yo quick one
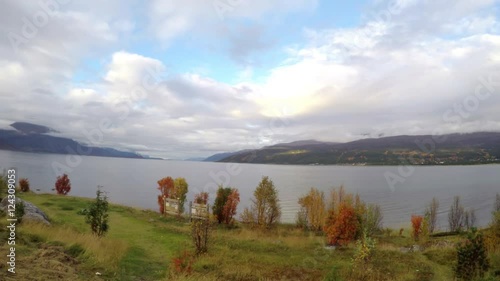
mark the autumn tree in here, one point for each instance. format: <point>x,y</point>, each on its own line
<point>372,219</point>
<point>220,200</point>
<point>24,185</point>
<point>313,208</point>
<point>431,214</point>
<point>348,217</point>
<point>229,210</point>
<point>342,227</point>
<point>201,198</point>
<point>63,184</point>
<point>265,210</point>
<point>166,188</point>
<point>469,219</point>
<point>456,215</point>
<point>180,192</point>
<point>416,226</point>
<point>225,204</point>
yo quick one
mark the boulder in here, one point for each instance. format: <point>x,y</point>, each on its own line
<point>35,217</point>
<point>31,212</point>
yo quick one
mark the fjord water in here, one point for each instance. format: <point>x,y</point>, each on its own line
<point>132,182</point>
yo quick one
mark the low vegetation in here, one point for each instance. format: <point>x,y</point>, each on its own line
<point>349,243</point>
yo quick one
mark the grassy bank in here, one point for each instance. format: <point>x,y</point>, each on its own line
<point>141,244</point>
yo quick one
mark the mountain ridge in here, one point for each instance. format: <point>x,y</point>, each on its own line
<point>28,137</point>
<point>450,149</point>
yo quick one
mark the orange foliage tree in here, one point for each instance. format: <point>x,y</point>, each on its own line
<point>346,217</point>
<point>342,227</point>
<point>63,184</point>
<point>166,188</point>
<point>416,225</point>
<point>231,205</point>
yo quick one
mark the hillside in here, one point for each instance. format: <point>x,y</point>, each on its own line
<point>452,149</point>
<point>141,244</point>
<point>29,137</point>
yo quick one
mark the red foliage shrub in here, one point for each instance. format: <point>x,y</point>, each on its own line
<point>341,228</point>
<point>63,184</point>
<point>416,225</point>
<point>24,185</point>
<point>166,188</point>
<point>231,205</point>
<point>201,198</point>
<point>182,264</point>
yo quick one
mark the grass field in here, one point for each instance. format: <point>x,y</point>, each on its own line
<point>141,244</point>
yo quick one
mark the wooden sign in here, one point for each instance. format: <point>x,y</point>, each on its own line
<point>198,211</point>
<point>171,206</point>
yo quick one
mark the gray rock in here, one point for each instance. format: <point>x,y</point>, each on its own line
<point>31,212</point>
<point>36,218</point>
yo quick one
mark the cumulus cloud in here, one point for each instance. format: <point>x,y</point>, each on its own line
<point>403,70</point>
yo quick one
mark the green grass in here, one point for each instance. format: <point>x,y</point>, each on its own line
<point>141,244</point>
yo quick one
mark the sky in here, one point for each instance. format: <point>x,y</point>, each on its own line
<point>182,79</point>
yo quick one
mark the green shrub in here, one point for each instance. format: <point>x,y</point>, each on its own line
<point>364,249</point>
<point>472,258</point>
<point>97,214</point>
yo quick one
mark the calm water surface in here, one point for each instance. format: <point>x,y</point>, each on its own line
<point>133,182</point>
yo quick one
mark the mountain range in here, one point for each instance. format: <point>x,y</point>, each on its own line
<point>28,137</point>
<point>451,149</point>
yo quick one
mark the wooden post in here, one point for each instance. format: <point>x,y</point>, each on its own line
<point>190,211</point>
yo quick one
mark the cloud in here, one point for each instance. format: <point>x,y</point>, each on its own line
<point>400,71</point>
<point>217,21</point>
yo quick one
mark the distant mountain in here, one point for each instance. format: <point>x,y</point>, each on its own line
<point>197,159</point>
<point>452,149</point>
<point>219,156</point>
<point>32,138</point>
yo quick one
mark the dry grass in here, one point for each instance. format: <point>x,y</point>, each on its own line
<point>100,250</point>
